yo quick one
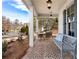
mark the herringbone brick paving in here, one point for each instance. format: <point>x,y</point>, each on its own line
<point>43,50</point>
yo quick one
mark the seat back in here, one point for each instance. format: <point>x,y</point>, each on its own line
<point>59,37</point>
<point>69,44</point>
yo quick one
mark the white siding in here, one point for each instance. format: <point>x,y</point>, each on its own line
<point>60,16</point>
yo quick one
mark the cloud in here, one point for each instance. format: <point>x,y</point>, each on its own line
<point>19,5</point>
<point>18,1</point>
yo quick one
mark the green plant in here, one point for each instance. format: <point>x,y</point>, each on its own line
<point>34,24</point>
<point>24,29</point>
<point>4,47</point>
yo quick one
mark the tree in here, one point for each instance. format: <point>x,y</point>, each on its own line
<point>24,29</point>
<point>55,24</point>
<point>16,22</point>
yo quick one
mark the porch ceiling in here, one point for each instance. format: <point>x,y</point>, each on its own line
<point>41,6</point>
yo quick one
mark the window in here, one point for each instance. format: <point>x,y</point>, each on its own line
<point>68,16</point>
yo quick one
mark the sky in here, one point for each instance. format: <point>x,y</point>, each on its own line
<point>15,9</point>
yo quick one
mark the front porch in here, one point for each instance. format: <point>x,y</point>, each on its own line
<point>65,11</point>
<point>45,49</point>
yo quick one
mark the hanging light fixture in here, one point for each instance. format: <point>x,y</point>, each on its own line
<point>49,2</point>
<point>51,13</point>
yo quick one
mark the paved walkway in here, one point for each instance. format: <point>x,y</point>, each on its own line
<point>43,50</point>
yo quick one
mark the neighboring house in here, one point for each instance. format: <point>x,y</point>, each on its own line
<point>5,24</point>
<point>16,27</point>
<point>8,26</point>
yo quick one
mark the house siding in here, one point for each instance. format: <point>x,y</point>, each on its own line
<point>60,16</point>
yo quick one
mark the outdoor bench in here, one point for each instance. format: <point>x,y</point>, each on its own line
<point>66,44</point>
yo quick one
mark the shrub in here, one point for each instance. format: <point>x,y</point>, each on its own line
<point>24,29</point>
<point>4,47</point>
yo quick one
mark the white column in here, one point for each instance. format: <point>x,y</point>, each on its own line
<point>36,28</point>
<point>31,28</point>
<point>60,22</point>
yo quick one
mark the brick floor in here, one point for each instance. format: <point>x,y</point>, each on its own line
<point>43,50</point>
